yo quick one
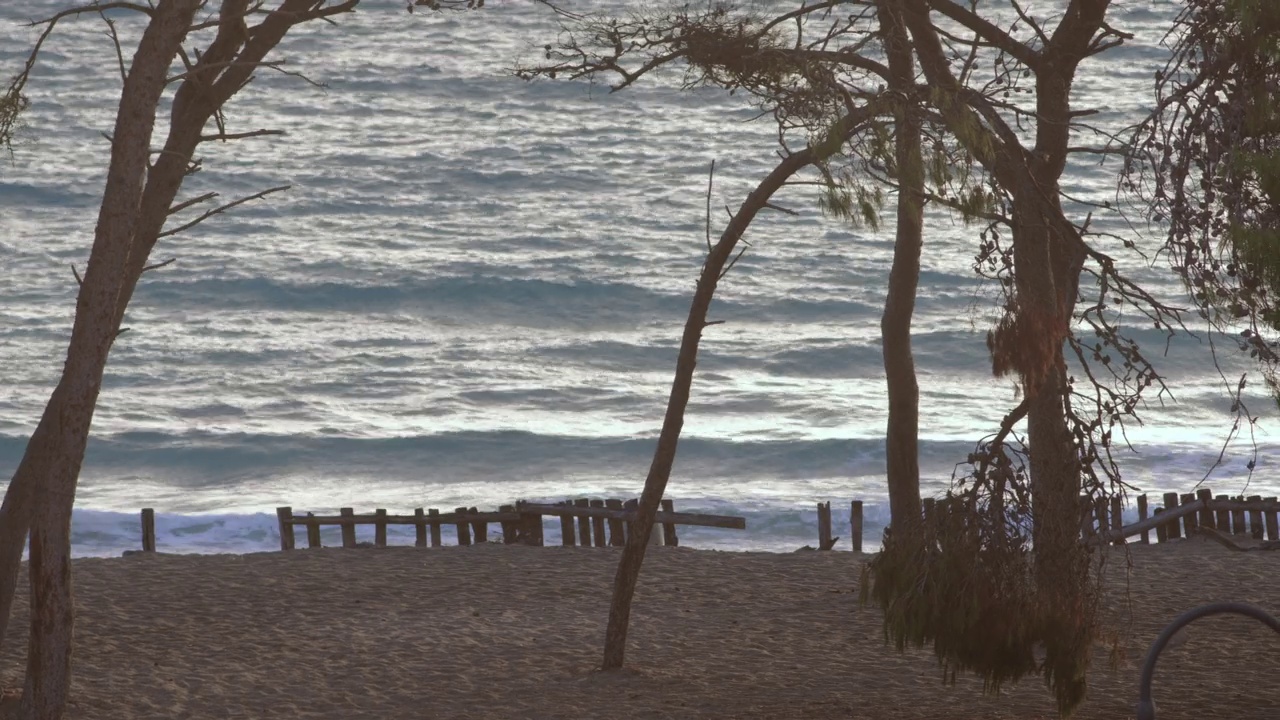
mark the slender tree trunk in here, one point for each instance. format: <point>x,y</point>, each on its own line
<point>70,411</point>
<point>624,584</point>
<point>902,463</point>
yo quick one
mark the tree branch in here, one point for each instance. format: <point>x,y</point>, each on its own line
<point>221,209</point>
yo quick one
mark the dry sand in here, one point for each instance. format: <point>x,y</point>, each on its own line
<point>515,632</point>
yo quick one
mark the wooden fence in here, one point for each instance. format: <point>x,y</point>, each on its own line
<point>582,522</point>
<point>825,540</point>
<point>1181,516</point>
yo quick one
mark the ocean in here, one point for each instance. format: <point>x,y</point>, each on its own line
<point>474,290</point>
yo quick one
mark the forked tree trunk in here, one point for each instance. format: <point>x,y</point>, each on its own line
<point>70,411</point>
<point>902,462</point>
<point>136,204</point>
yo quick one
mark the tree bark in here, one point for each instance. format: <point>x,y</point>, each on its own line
<point>69,413</point>
<point>902,464</point>
<point>664,455</point>
<point>135,207</point>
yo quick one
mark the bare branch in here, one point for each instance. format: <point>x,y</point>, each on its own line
<point>221,209</point>
<point>159,265</point>
<point>710,178</point>
<point>240,136</point>
<point>193,201</point>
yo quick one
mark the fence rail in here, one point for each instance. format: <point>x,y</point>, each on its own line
<point>1182,515</point>
<point>583,521</point>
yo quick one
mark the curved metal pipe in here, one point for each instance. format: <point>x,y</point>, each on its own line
<point>1147,706</point>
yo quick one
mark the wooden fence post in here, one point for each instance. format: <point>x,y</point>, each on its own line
<point>824,526</point>
<point>1223,515</point>
<point>419,528</point>
<point>1172,531</point>
<point>617,536</point>
<point>285,516</point>
<point>567,538</point>
<point>436,540</point>
<point>1142,515</point>
<point>1189,523</point>
<point>148,530</point>
<point>632,506</point>
<point>510,531</point>
<point>1100,513</point>
<point>669,529</point>
<point>1238,526</point>
<point>313,531</point>
<point>464,527</point>
<point>1086,517</point>
<point>1255,518</point>
<point>1162,531</point>
<point>1205,495</point>
<point>1117,519</point>
<point>584,524</point>
<point>380,528</point>
<point>855,525</point>
<point>1273,522</point>
<point>479,528</point>
<point>348,527</point>
<point>597,525</point>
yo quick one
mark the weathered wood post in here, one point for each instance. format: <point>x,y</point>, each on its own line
<point>510,529</point>
<point>1142,515</point>
<point>148,530</point>
<point>824,526</point>
<point>584,523</point>
<point>1273,520</point>
<point>348,527</point>
<point>1223,514</point>
<point>433,518</point>
<point>285,516</point>
<point>855,525</point>
<point>1255,516</point>
<point>1162,531</point>
<point>479,528</point>
<point>1100,513</point>
<point>464,527</point>
<point>1238,525</point>
<point>1172,531</point>
<point>419,528</point>
<point>632,506</point>
<point>669,529</point>
<point>380,528</point>
<point>1207,519</point>
<point>566,526</point>
<point>1189,524</point>
<point>1117,519</point>
<point>597,525</point>
<point>617,533</point>
<point>1086,517</point>
<point>313,531</point>
<point>530,526</point>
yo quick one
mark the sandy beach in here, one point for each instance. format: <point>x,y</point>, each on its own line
<point>494,631</point>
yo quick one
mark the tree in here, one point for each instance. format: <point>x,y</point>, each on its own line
<point>1207,162</point>
<point>139,200</point>
<point>1012,519</point>
<point>813,93</point>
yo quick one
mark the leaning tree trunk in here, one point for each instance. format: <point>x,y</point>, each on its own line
<point>70,410</point>
<point>42,492</point>
<point>624,584</point>
<point>902,462</point>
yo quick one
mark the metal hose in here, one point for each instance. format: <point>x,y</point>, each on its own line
<point>1147,706</point>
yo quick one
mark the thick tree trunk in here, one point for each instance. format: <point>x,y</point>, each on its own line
<point>70,411</point>
<point>902,463</point>
<point>54,451</point>
<point>624,584</point>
